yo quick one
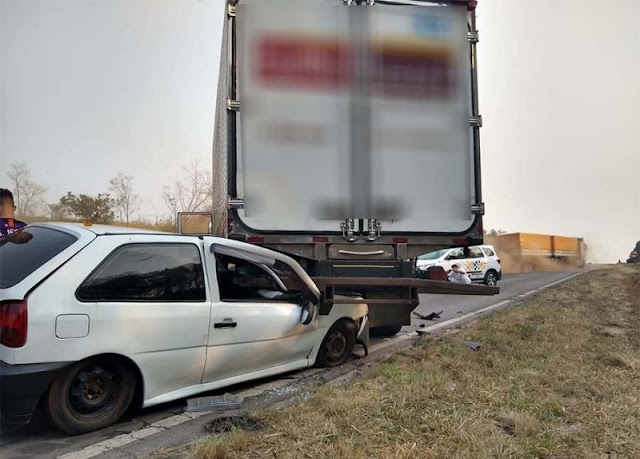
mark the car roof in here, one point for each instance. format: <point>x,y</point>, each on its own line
<point>100,229</point>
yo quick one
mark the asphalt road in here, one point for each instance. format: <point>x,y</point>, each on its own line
<point>40,441</point>
<point>511,286</point>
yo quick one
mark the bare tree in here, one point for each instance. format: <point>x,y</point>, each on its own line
<point>192,193</point>
<point>126,201</point>
<point>28,195</point>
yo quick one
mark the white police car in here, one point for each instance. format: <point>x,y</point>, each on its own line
<point>480,262</point>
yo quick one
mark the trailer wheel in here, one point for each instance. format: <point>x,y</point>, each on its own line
<point>337,345</point>
<point>384,331</point>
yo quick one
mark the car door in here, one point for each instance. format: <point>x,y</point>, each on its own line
<point>455,256</point>
<point>255,329</point>
<point>475,264</point>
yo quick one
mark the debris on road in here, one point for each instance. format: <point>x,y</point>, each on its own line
<point>214,403</point>
<point>227,423</point>
<point>432,316</point>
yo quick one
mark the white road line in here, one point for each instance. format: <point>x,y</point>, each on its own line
<point>172,421</point>
<point>124,439</point>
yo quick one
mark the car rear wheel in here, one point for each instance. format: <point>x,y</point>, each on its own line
<point>90,395</point>
<point>337,345</point>
<point>491,278</point>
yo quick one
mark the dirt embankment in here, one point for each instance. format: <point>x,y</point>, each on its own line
<point>514,263</point>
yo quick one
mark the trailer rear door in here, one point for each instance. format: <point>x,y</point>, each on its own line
<point>354,112</point>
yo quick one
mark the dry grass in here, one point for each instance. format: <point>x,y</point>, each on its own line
<point>558,376</point>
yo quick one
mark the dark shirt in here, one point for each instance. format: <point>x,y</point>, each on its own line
<point>10,225</point>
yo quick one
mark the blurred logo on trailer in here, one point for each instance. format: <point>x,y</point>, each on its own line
<point>432,26</point>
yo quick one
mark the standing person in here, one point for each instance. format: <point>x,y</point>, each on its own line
<point>458,275</point>
<point>8,222</point>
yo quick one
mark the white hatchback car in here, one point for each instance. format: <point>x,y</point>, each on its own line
<point>480,262</point>
<point>93,318</point>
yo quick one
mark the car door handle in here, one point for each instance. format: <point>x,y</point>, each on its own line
<point>227,323</point>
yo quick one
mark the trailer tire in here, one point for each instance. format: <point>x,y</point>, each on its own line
<point>385,331</point>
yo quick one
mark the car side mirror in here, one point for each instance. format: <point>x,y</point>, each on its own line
<point>308,313</point>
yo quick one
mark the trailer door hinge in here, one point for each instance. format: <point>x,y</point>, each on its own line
<point>236,203</point>
<point>477,209</point>
<point>233,105</point>
<point>475,121</point>
<point>473,37</point>
<point>231,10</point>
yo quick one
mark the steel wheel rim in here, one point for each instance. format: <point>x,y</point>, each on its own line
<point>93,391</point>
<point>491,279</point>
<point>336,346</point>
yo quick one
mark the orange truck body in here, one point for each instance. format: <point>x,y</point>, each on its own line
<point>542,245</point>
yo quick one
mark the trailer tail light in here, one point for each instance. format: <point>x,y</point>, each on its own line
<point>229,225</point>
<point>13,323</point>
<point>400,240</point>
<point>320,239</point>
<point>255,239</point>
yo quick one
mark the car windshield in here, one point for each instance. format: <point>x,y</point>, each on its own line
<point>433,255</point>
<point>23,252</point>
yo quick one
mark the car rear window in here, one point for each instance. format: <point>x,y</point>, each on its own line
<point>23,252</point>
<point>488,251</point>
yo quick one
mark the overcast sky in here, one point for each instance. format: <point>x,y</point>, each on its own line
<point>92,88</point>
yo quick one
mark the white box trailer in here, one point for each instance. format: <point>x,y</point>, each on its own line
<point>347,135</point>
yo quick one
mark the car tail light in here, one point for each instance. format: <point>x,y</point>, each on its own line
<point>229,225</point>
<point>13,323</point>
<point>255,239</point>
<point>499,262</point>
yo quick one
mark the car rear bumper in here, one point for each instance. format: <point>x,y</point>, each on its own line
<point>22,386</point>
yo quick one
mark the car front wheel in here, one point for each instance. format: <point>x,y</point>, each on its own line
<point>491,278</point>
<point>90,395</point>
<point>337,345</point>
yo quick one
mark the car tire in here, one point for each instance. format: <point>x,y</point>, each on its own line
<point>90,395</point>
<point>491,278</point>
<point>337,345</point>
<point>385,331</point>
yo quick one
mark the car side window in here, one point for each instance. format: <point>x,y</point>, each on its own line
<point>489,252</point>
<point>147,273</point>
<point>456,254</point>
<point>475,252</point>
<point>242,280</point>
